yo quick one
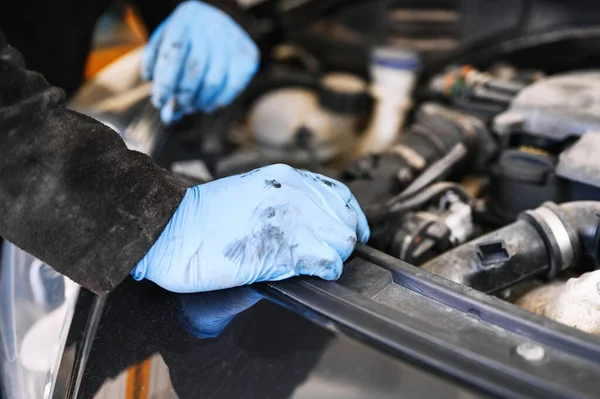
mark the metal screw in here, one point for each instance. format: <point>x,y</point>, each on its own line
<point>531,352</point>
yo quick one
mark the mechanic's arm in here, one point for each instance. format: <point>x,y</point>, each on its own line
<point>199,58</point>
<point>72,195</point>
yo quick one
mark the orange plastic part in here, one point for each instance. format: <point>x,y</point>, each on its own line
<point>100,58</point>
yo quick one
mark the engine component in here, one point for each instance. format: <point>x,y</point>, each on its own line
<point>421,191</point>
<point>394,73</point>
<point>580,165</point>
<point>470,88</point>
<point>555,108</point>
<point>535,295</point>
<point>435,172</point>
<point>417,201</point>
<point>421,236</point>
<point>541,243</point>
<point>523,179</point>
<point>575,303</point>
<point>436,132</point>
<point>325,123</point>
<point>496,260</point>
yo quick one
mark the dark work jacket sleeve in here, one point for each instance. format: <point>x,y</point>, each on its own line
<point>71,193</point>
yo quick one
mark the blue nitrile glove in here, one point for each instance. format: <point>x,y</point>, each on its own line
<point>199,59</point>
<point>269,224</point>
<point>206,315</point>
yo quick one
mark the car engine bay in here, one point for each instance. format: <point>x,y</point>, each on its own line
<point>469,189</point>
<point>468,131</point>
<point>475,162</point>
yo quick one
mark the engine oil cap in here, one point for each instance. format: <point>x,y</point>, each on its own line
<point>344,93</point>
<point>526,165</point>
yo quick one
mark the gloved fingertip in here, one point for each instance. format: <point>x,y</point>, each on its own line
<point>349,248</point>
<point>139,271</point>
<point>255,67</point>
<point>158,100</point>
<point>331,271</point>
<point>214,86</point>
<point>224,99</point>
<point>209,108</point>
<point>363,231</point>
<point>365,235</point>
<point>209,102</point>
<point>168,115</point>
<point>230,92</point>
<point>336,273</point>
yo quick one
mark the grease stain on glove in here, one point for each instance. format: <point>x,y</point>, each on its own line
<point>266,225</point>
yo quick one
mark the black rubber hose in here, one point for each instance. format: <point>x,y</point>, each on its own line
<point>374,179</point>
<point>542,243</point>
<point>496,260</point>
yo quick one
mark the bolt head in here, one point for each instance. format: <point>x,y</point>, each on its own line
<point>531,352</point>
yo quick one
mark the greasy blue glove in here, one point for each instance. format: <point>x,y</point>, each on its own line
<point>268,224</point>
<point>199,59</point>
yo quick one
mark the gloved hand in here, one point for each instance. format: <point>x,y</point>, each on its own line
<point>199,59</point>
<point>269,224</point>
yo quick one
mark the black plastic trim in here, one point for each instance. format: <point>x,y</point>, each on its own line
<point>491,369</point>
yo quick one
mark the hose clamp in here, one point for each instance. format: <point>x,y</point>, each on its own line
<point>560,238</point>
